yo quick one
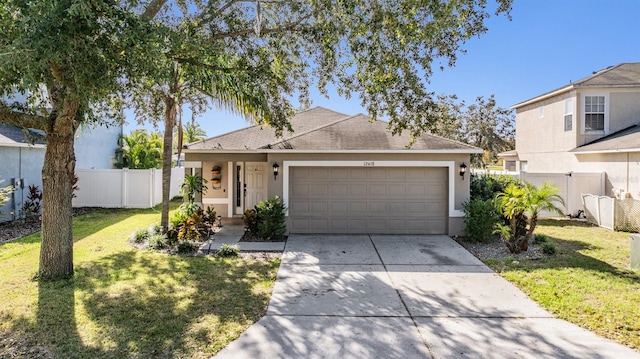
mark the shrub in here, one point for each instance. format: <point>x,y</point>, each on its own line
<point>271,219</point>
<point>228,250</point>
<point>250,218</point>
<point>480,218</point>
<point>186,246</point>
<point>140,235</point>
<point>178,218</point>
<point>540,239</point>
<point>486,187</point>
<point>4,194</point>
<point>155,229</point>
<point>157,241</point>
<point>548,248</point>
<point>32,205</point>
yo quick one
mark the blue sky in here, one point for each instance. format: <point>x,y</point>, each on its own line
<point>547,44</point>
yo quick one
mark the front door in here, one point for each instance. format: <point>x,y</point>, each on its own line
<point>255,182</point>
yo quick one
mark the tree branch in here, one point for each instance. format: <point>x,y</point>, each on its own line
<point>153,8</point>
<point>8,115</point>
<point>290,27</point>
<point>212,67</point>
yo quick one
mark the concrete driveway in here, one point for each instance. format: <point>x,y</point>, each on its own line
<point>386,296</point>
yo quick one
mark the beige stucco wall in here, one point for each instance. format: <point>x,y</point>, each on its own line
<point>275,186</point>
<point>544,145</point>
<point>535,134</point>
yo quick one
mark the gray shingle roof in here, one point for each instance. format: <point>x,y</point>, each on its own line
<point>257,137</point>
<point>621,75</point>
<point>13,135</point>
<point>319,129</point>
<point>624,140</point>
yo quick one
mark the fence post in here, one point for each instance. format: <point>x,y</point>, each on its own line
<point>124,188</point>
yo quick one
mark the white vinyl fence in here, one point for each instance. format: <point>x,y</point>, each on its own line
<point>613,213</point>
<point>571,185</point>
<point>123,188</point>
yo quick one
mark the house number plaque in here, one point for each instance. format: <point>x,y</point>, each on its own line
<point>369,163</point>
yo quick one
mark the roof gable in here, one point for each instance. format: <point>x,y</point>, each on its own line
<point>621,75</point>
<point>256,136</point>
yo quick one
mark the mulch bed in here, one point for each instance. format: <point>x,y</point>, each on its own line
<point>23,227</point>
<point>494,248</point>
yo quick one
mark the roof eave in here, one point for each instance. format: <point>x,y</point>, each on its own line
<point>617,150</point>
<point>444,151</point>
<point>22,145</point>
<point>544,96</point>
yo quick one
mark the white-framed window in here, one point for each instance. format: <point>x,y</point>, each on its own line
<point>568,115</point>
<point>594,113</point>
<point>541,112</point>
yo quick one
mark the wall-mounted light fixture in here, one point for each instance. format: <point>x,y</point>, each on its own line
<point>463,170</point>
<point>276,168</point>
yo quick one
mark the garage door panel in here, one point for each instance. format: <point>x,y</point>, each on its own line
<point>339,189</point>
<point>377,190</point>
<point>359,207</point>
<point>340,173</point>
<point>397,190</point>
<point>299,190</point>
<point>396,207</point>
<point>357,225</point>
<point>358,173</point>
<point>319,206</point>
<point>368,200</point>
<point>318,173</point>
<point>416,190</point>
<point>319,225</point>
<point>300,173</point>
<point>377,208</point>
<point>357,191</point>
<point>416,207</point>
<point>299,207</point>
<point>319,189</point>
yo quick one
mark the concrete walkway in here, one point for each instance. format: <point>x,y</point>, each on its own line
<point>377,296</point>
<point>231,234</point>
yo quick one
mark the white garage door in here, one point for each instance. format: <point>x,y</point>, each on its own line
<point>368,200</point>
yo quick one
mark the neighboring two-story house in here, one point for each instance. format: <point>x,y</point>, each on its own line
<point>590,125</point>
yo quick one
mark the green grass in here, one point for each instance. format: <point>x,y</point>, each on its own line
<point>587,282</point>
<point>123,302</point>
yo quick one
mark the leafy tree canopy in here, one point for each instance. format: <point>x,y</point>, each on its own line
<point>482,124</point>
<point>75,60</point>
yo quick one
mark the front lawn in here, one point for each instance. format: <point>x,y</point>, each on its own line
<point>123,302</point>
<point>587,282</point>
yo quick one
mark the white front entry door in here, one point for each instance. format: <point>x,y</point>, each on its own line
<point>255,175</point>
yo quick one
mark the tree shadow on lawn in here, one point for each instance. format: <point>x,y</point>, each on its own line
<point>569,255</point>
<point>146,305</point>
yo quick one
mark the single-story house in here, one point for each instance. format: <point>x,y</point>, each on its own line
<point>338,173</point>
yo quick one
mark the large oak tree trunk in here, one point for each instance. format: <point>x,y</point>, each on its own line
<point>169,122</point>
<point>56,251</point>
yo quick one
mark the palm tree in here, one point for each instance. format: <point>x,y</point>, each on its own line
<point>140,150</point>
<point>521,205</point>
<point>192,132</point>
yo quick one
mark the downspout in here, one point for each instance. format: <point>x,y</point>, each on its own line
<point>627,189</point>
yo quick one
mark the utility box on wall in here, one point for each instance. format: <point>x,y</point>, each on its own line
<point>635,251</point>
